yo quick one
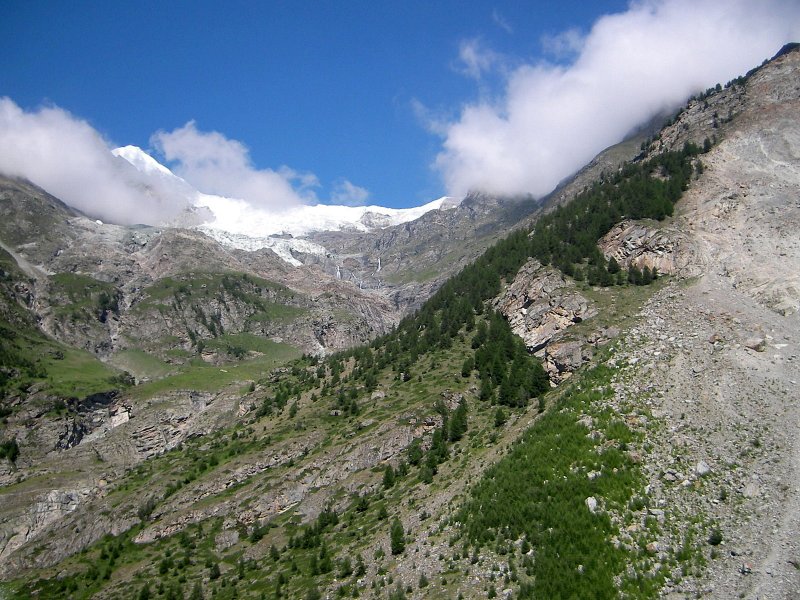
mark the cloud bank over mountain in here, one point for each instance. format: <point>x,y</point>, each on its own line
<point>67,157</point>
<point>70,159</point>
<point>552,118</point>
<point>217,165</point>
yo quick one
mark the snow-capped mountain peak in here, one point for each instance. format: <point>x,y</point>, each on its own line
<point>238,223</point>
<point>141,160</point>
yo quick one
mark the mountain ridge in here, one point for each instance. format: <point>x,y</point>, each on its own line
<point>674,412</point>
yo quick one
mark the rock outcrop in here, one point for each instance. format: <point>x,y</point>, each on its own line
<point>541,303</point>
<point>652,245</point>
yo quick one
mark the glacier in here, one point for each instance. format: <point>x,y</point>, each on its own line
<point>238,224</point>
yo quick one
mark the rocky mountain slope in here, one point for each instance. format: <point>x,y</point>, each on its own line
<point>714,358</point>
<point>430,463</point>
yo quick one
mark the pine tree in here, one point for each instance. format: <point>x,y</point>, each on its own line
<point>325,562</point>
<point>487,390</point>
<point>458,422</point>
<point>426,474</point>
<point>313,565</point>
<point>197,592</point>
<point>466,368</point>
<point>415,452</point>
<point>388,477</point>
<point>397,537</point>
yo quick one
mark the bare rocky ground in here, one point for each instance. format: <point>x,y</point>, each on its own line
<point>719,372</point>
<point>717,360</point>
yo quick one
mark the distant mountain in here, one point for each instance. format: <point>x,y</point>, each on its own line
<point>404,253</point>
<point>236,223</point>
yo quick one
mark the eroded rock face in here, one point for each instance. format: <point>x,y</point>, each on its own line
<point>541,303</point>
<point>645,244</point>
<point>561,359</point>
<point>49,508</point>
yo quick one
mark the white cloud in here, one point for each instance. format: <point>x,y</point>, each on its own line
<point>565,44</point>
<point>217,165</point>
<point>67,157</point>
<point>475,59</point>
<point>71,160</point>
<point>501,22</point>
<point>552,119</point>
<point>347,194</point>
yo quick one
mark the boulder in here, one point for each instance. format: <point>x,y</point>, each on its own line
<point>757,343</point>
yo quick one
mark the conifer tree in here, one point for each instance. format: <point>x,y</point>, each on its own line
<point>397,537</point>
<point>458,422</point>
<point>415,452</point>
<point>388,477</point>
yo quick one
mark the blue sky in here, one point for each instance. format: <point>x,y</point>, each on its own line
<point>390,97</point>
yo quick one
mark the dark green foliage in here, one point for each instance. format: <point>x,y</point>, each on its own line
<point>649,189</point>
<point>197,592</point>
<point>426,474</point>
<point>325,562</point>
<point>311,536</point>
<point>503,362</point>
<point>259,531</point>
<point>715,538</point>
<point>397,538</point>
<point>466,368</point>
<point>535,493</point>
<point>415,452</point>
<point>457,426</point>
<point>398,593</point>
<point>438,452</point>
<point>146,509</point>
<point>388,477</point>
<point>10,450</point>
<point>345,567</point>
<point>361,568</point>
<point>313,594</point>
<point>634,275</point>
<point>362,504</point>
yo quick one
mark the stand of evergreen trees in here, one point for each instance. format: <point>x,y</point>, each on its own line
<point>565,238</point>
